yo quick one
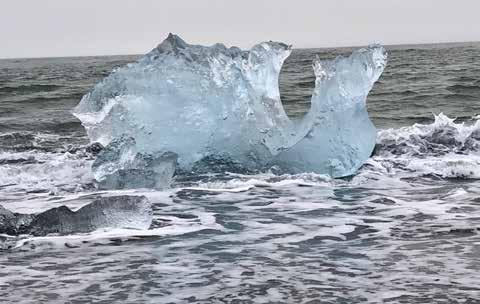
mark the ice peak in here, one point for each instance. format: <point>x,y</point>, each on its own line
<point>171,44</point>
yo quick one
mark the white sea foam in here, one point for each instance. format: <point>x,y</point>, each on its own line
<point>45,171</point>
<point>443,148</point>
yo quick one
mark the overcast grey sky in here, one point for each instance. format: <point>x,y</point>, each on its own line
<point>39,28</point>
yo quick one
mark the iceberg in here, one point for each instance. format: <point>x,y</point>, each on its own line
<point>223,104</point>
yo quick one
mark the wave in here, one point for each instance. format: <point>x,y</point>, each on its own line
<point>27,141</point>
<point>464,89</point>
<point>443,148</point>
<point>438,138</point>
<point>27,89</point>
<point>47,172</point>
<point>463,79</point>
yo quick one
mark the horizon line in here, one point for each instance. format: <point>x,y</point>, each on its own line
<point>300,48</point>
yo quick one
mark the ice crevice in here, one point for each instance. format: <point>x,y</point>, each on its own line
<point>202,103</point>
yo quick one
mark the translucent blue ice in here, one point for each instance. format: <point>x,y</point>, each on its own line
<point>219,103</point>
<point>341,135</point>
<point>120,166</point>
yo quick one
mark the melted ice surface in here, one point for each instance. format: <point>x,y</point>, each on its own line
<point>203,102</point>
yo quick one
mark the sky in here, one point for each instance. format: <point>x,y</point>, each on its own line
<point>50,28</point>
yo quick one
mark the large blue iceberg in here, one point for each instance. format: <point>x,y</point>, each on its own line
<point>212,105</point>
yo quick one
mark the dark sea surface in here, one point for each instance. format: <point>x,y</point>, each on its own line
<point>405,229</point>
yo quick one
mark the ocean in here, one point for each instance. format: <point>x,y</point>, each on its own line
<point>404,229</point>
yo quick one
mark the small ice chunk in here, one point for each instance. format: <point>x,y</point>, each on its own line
<point>124,211</point>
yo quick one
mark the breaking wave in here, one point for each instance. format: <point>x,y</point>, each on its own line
<point>443,148</point>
